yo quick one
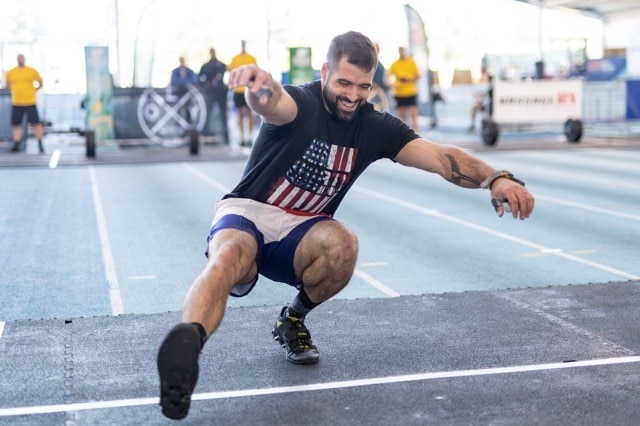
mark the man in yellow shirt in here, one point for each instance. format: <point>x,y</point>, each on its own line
<point>244,113</point>
<point>21,82</point>
<point>404,73</point>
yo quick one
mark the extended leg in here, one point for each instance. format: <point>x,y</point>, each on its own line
<point>232,256</point>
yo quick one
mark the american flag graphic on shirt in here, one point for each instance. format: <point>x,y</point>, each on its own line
<point>315,179</point>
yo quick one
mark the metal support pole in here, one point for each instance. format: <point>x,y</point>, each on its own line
<point>90,140</point>
<point>194,142</point>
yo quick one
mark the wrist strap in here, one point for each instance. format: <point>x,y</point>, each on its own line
<point>501,174</point>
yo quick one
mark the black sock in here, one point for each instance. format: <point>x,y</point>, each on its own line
<point>201,332</point>
<point>301,305</point>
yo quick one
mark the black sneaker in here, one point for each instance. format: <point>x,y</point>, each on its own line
<point>178,369</point>
<point>295,338</point>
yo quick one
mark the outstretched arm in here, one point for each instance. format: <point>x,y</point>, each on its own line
<point>264,95</point>
<point>468,171</point>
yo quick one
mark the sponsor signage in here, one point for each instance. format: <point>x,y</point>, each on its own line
<point>633,100</point>
<point>537,101</point>
<point>301,70</point>
<point>98,101</point>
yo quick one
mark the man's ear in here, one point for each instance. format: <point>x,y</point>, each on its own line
<point>324,71</point>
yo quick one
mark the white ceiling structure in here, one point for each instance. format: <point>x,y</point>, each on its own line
<point>620,19</point>
<point>607,10</point>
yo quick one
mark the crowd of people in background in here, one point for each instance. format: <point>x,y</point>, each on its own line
<point>211,76</point>
<point>395,89</point>
<point>398,83</point>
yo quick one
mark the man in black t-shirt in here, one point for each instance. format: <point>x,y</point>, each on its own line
<point>212,72</point>
<point>316,139</point>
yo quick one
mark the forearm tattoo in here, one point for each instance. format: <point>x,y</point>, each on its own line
<point>456,176</point>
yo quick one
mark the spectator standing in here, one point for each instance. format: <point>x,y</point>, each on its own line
<point>212,79</point>
<point>245,115</point>
<point>212,72</point>
<point>380,76</point>
<point>483,102</point>
<point>405,74</point>
<point>183,75</point>
<point>380,92</point>
<point>23,82</point>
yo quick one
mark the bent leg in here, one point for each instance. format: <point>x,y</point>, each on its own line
<point>325,259</point>
<point>324,262</point>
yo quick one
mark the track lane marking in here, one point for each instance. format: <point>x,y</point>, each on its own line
<point>115,297</point>
<point>120,403</point>
<point>586,207</point>
<point>583,161</point>
<point>517,240</point>
<point>375,283</point>
<point>217,185</point>
<point>55,158</point>
<point>577,176</point>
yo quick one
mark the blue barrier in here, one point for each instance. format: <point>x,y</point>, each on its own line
<point>633,100</point>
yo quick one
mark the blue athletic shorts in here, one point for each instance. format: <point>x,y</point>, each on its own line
<point>276,231</point>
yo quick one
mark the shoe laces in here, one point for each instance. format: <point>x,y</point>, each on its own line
<point>302,339</point>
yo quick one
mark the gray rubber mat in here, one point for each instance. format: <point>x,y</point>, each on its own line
<point>554,355</point>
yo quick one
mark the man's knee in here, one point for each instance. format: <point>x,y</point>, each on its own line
<point>343,250</point>
<point>233,253</point>
<point>330,248</point>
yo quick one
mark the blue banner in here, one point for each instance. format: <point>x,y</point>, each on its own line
<point>633,100</point>
<point>605,69</point>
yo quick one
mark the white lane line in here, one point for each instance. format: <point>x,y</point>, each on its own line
<point>142,277</point>
<point>495,233</point>
<point>115,297</point>
<point>375,283</point>
<point>586,207</point>
<point>597,164</point>
<point>55,158</point>
<point>576,176</point>
<point>94,405</point>
<point>220,187</point>
<point>1,327</point>
<point>368,278</point>
<point>375,263</point>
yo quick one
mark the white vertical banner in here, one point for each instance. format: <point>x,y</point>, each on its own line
<point>419,50</point>
<point>633,56</point>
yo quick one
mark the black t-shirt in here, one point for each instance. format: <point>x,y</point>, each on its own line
<point>213,72</point>
<point>309,164</point>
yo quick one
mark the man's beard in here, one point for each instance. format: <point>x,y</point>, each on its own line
<point>332,102</point>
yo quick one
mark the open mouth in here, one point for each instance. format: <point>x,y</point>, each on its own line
<point>350,106</point>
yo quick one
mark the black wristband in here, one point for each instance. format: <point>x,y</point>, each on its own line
<point>503,173</point>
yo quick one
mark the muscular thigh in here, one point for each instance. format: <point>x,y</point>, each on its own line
<point>328,237</point>
<point>235,249</point>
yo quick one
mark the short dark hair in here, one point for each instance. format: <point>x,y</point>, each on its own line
<point>358,48</point>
